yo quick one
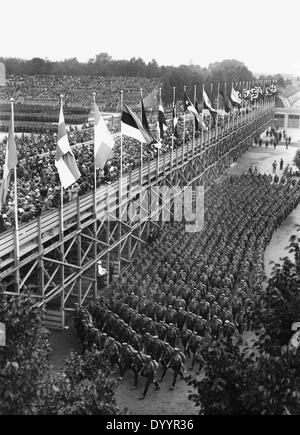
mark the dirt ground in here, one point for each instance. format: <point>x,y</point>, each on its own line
<point>176,402</point>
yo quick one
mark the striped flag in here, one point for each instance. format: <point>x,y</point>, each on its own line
<point>162,125</point>
<point>235,97</point>
<point>188,106</point>
<point>208,105</point>
<point>103,140</point>
<point>131,126</point>
<point>11,162</point>
<point>64,159</point>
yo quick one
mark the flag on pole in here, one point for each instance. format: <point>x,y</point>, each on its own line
<point>196,121</point>
<point>144,118</point>
<point>208,105</point>
<point>174,121</point>
<point>235,97</point>
<point>228,107</point>
<point>64,159</point>
<point>162,125</point>
<point>11,162</point>
<point>151,100</point>
<point>103,140</point>
<point>147,128</point>
<point>131,126</point>
<point>188,106</point>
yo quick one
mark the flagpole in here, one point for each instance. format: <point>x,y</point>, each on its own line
<point>158,136</point>
<point>141,173</point>
<point>230,114</point>
<point>95,211</point>
<point>17,243</point>
<point>213,133</point>
<point>233,114</point>
<point>61,190</point>
<point>242,92</point>
<point>217,119</point>
<point>202,132</point>
<point>95,169</point>
<point>61,237</point>
<point>121,149</point>
<point>173,127</point>
<point>184,121</point>
<point>194,127</point>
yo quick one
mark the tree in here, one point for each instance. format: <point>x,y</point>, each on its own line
<point>102,58</point>
<point>24,360</point>
<point>297,159</point>
<point>26,385</point>
<point>84,388</point>
<point>230,70</point>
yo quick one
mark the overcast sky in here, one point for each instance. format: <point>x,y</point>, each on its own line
<point>263,34</point>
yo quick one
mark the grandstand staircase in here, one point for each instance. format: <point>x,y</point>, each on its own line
<point>53,319</point>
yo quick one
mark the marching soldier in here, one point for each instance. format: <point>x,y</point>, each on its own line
<point>180,318</point>
<point>170,315</point>
<point>171,335</point>
<point>149,371</point>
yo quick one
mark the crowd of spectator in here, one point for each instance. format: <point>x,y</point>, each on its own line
<point>37,178</point>
<point>77,90</point>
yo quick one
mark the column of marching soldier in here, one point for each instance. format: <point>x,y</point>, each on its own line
<point>187,288</point>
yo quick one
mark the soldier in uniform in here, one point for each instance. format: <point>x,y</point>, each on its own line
<point>201,326</point>
<point>185,337</point>
<point>138,361</point>
<point>157,348</point>
<point>176,363</point>
<point>147,343</point>
<point>170,315</point>
<point>191,319</point>
<point>181,318</point>
<point>149,371</point>
<point>216,326</point>
<point>160,313</point>
<point>161,330</point>
<point>171,335</point>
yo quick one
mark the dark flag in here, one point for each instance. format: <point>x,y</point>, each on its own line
<point>196,121</point>
<point>228,107</point>
<point>144,117</point>
<point>131,126</point>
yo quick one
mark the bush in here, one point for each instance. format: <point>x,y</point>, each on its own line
<point>83,388</point>
<point>297,159</point>
<point>26,385</point>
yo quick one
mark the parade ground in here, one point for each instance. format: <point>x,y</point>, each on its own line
<point>176,402</point>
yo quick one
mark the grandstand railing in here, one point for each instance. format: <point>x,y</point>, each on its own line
<point>33,236</point>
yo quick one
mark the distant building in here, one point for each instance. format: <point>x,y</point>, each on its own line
<point>2,74</point>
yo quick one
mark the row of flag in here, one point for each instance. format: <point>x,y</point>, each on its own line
<point>237,95</point>
<point>131,126</point>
